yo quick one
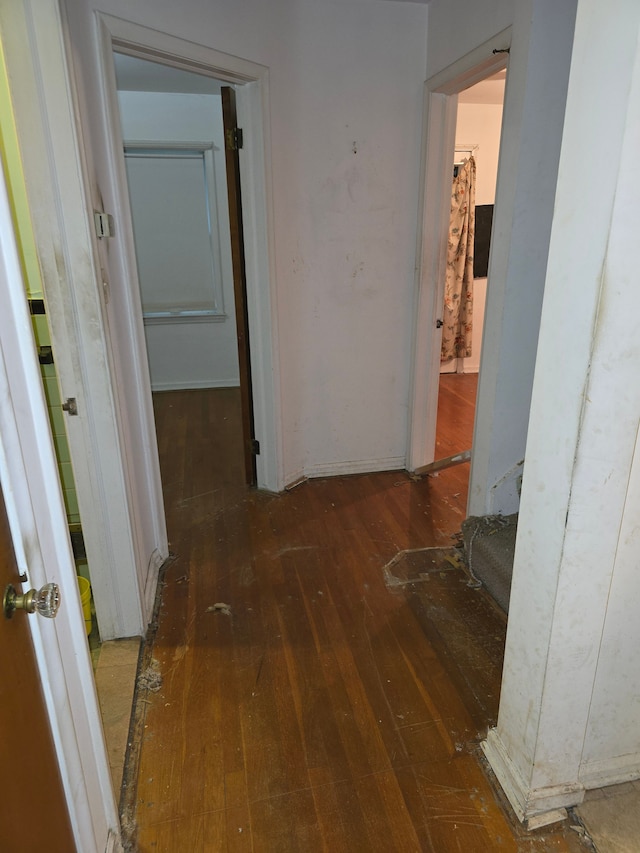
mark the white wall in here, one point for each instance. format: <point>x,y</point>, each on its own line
<point>456,27</point>
<point>345,94</point>
<point>183,354</point>
<point>480,124</point>
<point>571,684</point>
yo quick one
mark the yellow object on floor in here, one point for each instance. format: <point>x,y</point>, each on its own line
<point>85,598</point>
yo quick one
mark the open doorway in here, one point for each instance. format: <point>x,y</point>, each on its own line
<point>180,155</point>
<point>135,547</point>
<point>442,94</point>
<point>477,138</point>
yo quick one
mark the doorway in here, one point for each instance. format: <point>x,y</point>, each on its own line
<point>477,136</point>
<point>124,501</point>
<point>442,94</point>
<point>178,147</point>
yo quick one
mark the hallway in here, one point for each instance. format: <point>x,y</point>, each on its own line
<point>305,703</point>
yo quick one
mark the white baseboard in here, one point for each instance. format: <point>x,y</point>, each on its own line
<point>368,466</point>
<point>151,584</point>
<point>190,385</point>
<point>612,771</point>
<point>294,479</point>
<point>526,802</point>
<point>114,844</point>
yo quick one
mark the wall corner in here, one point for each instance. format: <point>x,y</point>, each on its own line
<point>545,804</point>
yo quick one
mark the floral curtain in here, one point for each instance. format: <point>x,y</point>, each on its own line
<point>458,291</point>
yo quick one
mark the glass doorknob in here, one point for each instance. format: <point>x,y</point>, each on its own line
<point>44,601</point>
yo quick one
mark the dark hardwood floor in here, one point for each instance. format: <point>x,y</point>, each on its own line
<point>456,411</point>
<point>311,700</point>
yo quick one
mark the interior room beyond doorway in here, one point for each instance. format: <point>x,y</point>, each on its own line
<point>174,152</point>
<point>478,130</point>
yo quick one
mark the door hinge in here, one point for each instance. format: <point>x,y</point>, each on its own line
<point>255,447</point>
<point>103,223</point>
<point>234,139</point>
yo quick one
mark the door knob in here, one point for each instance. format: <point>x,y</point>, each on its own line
<point>44,601</point>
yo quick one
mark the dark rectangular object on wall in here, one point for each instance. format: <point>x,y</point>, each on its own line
<point>482,242</point>
<point>36,306</point>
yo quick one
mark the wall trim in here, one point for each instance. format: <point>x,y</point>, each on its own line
<point>438,142</point>
<point>114,845</point>
<point>612,771</point>
<point>156,561</point>
<point>366,466</point>
<point>182,318</point>
<point>48,133</point>
<point>505,493</point>
<point>194,385</point>
<point>527,802</point>
<point>292,481</point>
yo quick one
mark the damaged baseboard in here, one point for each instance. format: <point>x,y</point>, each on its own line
<point>532,806</point>
<point>366,466</point>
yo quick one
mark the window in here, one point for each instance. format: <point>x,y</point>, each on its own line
<point>172,194</point>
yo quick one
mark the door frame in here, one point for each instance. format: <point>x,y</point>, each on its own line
<point>251,82</point>
<point>37,518</point>
<point>123,571</point>
<point>439,126</point>
<point>236,240</point>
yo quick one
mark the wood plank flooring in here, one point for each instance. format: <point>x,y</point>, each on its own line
<point>307,705</point>
<point>456,411</point>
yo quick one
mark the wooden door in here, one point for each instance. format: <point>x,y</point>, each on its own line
<point>34,811</point>
<point>233,143</point>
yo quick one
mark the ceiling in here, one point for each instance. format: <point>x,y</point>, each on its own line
<point>141,75</point>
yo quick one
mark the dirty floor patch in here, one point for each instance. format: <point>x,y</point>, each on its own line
<point>415,565</point>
